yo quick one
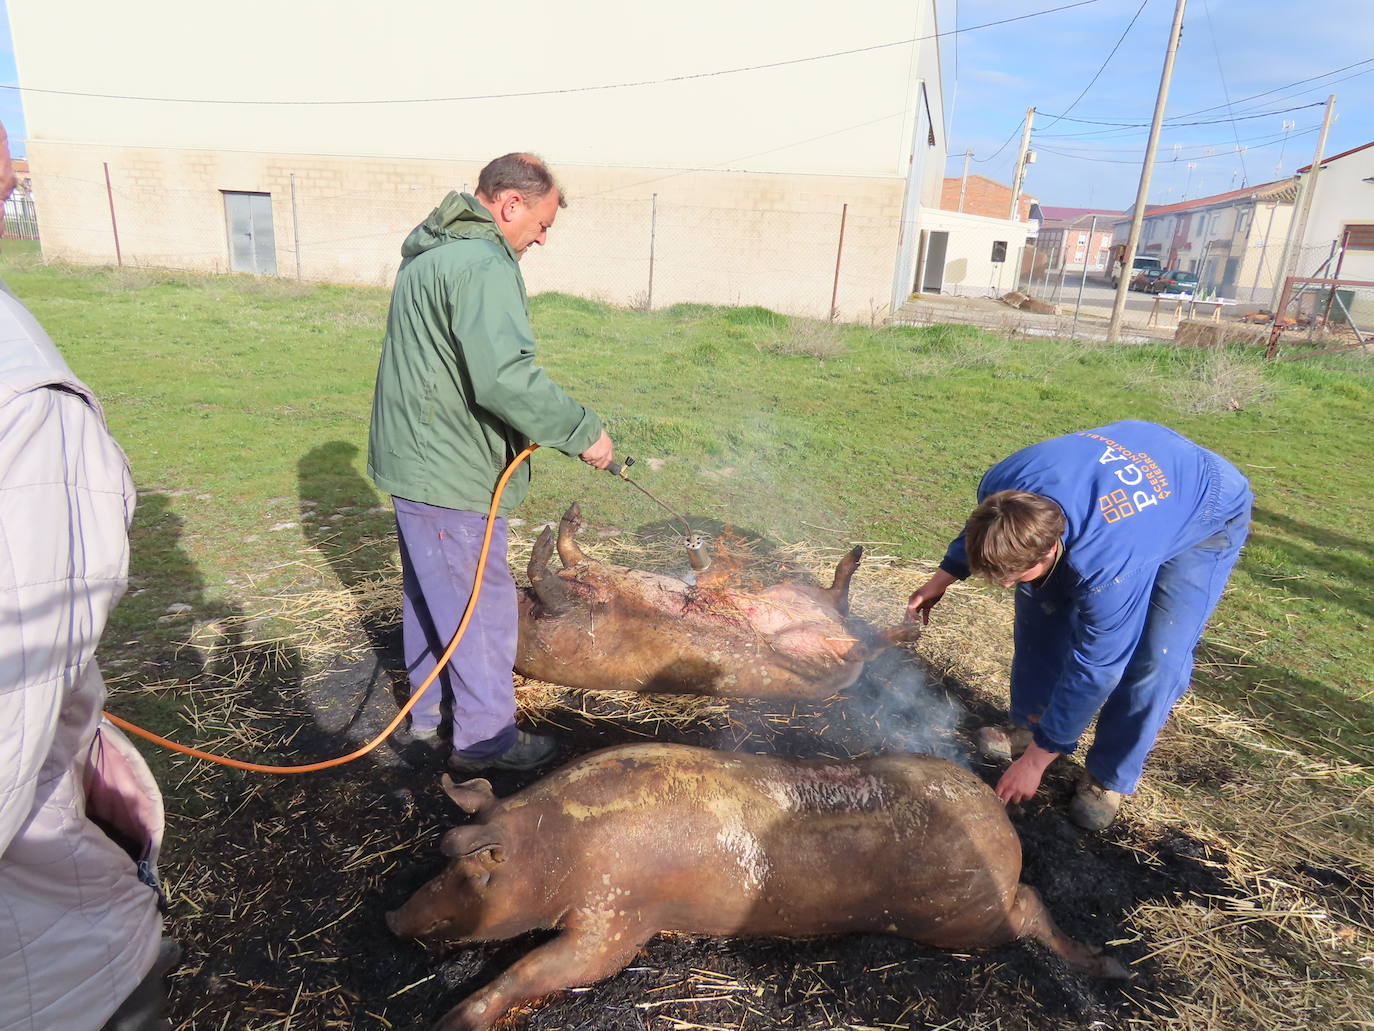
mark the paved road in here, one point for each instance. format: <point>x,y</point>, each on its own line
<point>1098,296</point>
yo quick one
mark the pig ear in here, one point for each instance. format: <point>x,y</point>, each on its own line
<point>471,796</point>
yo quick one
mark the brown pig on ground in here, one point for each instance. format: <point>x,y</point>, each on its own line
<point>598,626</point>
<point>632,840</point>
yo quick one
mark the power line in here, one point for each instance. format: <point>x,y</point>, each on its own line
<point>1255,96</point>
<point>1208,121</point>
<point>1278,89</point>
<point>1004,142</point>
<point>1103,67</point>
<point>1160,160</point>
<point>572,89</point>
<point>1269,139</point>
<point>1226,92</point>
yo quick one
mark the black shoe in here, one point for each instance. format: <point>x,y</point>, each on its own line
<point>529,751</point>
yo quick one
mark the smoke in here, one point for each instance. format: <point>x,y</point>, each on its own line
<point>899,706</point>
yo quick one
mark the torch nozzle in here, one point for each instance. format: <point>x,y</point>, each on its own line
<point>696,553</point>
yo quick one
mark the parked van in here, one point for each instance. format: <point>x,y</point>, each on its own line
<point>1140,264</point>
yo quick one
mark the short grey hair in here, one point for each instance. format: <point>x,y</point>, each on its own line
<point>521,172</point>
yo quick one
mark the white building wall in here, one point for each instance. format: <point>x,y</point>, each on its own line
<point>751,169</point>
<point>969,270</point>
<point>1342,198</point>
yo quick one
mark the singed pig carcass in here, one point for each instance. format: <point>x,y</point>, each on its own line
<point>632,840</point>
<point>598,626</point>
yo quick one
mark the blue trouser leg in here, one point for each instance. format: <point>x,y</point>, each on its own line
<point>1041,637</point>
<point>1186,591</point>
<point>439,551</point>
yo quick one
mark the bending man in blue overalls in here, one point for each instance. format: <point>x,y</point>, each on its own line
<point>1119,541</point>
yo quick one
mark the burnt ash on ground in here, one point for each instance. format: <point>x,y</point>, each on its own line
<point>280,887</point>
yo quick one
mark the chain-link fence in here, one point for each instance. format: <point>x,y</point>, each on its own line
<point>782,249</point>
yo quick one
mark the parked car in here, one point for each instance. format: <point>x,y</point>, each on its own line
<point>1140,263</point>
<point>1141,280</point>
<point>1173,281</point>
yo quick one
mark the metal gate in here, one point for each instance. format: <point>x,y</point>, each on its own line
<point>252,247</point>
<point>21,221</point>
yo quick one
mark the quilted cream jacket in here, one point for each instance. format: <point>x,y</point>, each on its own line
<point>80,815</point>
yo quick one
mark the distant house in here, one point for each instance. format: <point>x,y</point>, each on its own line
<point>1072,238</point>
<point>1342,212</point>
<point>983,196</point>
<point>1233,241</point>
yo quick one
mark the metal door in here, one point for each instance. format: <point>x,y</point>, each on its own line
<point>935,263</point>
<point>248,218</point>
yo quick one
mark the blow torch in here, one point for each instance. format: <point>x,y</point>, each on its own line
<point>696,543</point>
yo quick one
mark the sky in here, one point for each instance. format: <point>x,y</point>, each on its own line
<point>1230,50</point>
<point>11,109</point>
<point>1238,48</point>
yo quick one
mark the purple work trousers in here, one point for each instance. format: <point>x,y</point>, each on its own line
<point>439,551</point>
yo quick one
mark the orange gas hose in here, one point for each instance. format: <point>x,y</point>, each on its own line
<point>240,764</point>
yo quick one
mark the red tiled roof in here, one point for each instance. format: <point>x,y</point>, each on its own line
<point>1216,198</point>
<point>1337,157</point>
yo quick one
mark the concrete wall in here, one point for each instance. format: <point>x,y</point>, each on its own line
<point>718,237</point>
<point>751,169</point>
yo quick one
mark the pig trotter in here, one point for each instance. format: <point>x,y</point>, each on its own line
<point>1030,919</point>
<point>568,551</point>
<point>571,960</point>
<point>844,572</point>
<point>551,591</point>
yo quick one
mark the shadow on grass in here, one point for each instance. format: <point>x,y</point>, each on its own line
<point>344,520</point>
<point>1325,551</point>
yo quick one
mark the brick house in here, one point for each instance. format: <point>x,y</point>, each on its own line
<point>1073,237</point>
<point>983,196</point>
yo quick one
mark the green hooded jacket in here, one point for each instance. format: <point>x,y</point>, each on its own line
<point>458,391</point>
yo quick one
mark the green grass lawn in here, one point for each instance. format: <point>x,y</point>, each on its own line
<point>243,405</point>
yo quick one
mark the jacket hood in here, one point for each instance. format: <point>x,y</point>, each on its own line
<point>459,216</point>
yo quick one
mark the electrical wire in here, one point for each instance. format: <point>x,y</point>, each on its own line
<point>1180,125</point>
<point>1278,89</point>
<point>1132,128</point>
<point>563,91</point>
<point>1105,61</point>
<point>1257,142</point>
<point>1004,142</point>
<point>1226,92</point>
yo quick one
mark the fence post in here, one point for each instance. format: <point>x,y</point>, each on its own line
<point>1083,280</point>
<point>839,250</point>
<point>1273,348</point>
<point>653,233</point>
<point>114,225</point>
<point>295,227</point>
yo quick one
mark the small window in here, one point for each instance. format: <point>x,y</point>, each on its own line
<point>999,250</point>
<point>1359,237</point>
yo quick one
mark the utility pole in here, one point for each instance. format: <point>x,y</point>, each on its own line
<point>1021,165</point>
<point>1138,214</point>
<point>963,183</point>
<point>1297,228</point>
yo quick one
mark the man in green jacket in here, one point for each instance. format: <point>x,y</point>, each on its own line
<point>458,396</point>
